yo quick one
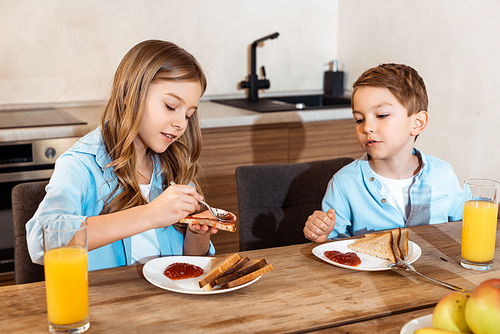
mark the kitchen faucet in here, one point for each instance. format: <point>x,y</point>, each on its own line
<point>254,83</point>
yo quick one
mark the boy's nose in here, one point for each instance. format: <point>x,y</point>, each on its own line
<point>368,128</point>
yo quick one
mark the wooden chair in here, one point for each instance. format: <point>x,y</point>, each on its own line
<point>275,200</point>
<point>25,200</point>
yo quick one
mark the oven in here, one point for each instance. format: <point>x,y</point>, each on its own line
<point>26,161</point>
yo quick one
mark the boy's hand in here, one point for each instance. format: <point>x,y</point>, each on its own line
<point>319,225</point>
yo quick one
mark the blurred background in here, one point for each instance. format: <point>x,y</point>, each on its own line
<point>65,52</point>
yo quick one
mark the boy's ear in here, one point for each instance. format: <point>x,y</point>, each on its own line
<point>420,120</point>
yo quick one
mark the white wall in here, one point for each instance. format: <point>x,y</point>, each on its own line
<point>68,50</point>
<point>454,45</point>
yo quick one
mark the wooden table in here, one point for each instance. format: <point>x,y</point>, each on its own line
<point>301,294</point>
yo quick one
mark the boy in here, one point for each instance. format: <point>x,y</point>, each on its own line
<point>393,184</point>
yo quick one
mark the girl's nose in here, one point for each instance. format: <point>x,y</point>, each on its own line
<point>179,121</point>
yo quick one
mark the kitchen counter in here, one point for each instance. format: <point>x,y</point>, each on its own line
<point>212,115</point>
<point>215,115</point>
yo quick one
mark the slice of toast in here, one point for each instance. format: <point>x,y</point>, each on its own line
<point>241,262</point>
<point>238,265</point>
<point>379,245</point>
<point>248,268</point>
<point>396,234</point>
<point>399,242</point>
<point>218,267</point>
<point>403,243</point>
<point>251,276</point>
<point>225,225</point>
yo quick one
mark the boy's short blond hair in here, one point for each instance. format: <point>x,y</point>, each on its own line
<point>402,81</point>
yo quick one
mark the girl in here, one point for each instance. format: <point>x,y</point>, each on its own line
<point>116,177</point>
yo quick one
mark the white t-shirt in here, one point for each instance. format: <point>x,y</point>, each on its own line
<point>396,192</point>
<point>145,245</point>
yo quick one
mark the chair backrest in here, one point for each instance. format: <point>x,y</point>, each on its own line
<point>25,200</point>
<point>275,200</point>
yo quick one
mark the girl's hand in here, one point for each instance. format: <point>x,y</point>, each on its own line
<point>202,229</point>
<point>197,239</point>
<point>173,204</point>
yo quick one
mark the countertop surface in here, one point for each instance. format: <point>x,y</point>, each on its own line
<point>212,115</point>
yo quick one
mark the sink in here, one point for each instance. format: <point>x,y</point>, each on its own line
<point>288,103</point>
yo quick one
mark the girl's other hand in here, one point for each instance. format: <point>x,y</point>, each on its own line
<point>197,239</point>
<point>175,203</point>
<point>203,229</point>
<point>319,225</point>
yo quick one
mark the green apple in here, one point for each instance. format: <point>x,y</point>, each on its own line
<point>483,308</point>
<point>449,313</point>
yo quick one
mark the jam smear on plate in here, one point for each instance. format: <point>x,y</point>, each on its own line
<point>179,270</point>
<point>348,259</point>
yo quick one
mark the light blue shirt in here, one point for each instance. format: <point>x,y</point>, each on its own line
<point>354,192</point>
<point>77,189</point>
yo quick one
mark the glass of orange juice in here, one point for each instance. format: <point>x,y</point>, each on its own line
<point>479,224</point>
<point>66,275</point>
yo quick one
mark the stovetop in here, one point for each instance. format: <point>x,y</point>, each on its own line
<point>30,118</point>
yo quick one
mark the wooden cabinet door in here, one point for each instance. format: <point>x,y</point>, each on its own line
<point>324,140</point>
<point>224,149</point>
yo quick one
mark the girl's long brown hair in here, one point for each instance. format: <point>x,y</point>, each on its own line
<point>146,62</point>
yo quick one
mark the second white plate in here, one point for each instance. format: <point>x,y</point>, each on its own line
<point>368,262</point>
<point>412,326</point>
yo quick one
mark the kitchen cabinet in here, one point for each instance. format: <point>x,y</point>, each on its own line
<point>226,148</point>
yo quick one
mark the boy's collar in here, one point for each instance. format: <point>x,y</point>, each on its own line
<point>366,157</point>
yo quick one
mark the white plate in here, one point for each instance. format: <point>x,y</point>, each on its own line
<point>412,326</point>
<point>368,262</point>
<point>153,271</point>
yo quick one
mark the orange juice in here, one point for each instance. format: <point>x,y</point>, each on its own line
<point>479,228</point>
<point>66,283</point>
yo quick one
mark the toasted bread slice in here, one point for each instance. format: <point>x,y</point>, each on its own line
<point>399,242</point>
<point>249,267</point>
<point>218,267</point>
<point>403,243</point>
<point>379,245</point>
<point>396,234</point>
<point>251,276</point>
<point>238,265</point>
<point>225,225</point>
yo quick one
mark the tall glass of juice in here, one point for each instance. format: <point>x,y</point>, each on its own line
<point>66,275</point>
<point>479,224</point>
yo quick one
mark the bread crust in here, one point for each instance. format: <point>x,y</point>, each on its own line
<point>249,267</point>
<point>251,276</point>
<point>403,243</point>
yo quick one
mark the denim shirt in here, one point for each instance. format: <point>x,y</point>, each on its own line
<point>77,189</point>
<point>354,192</point>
